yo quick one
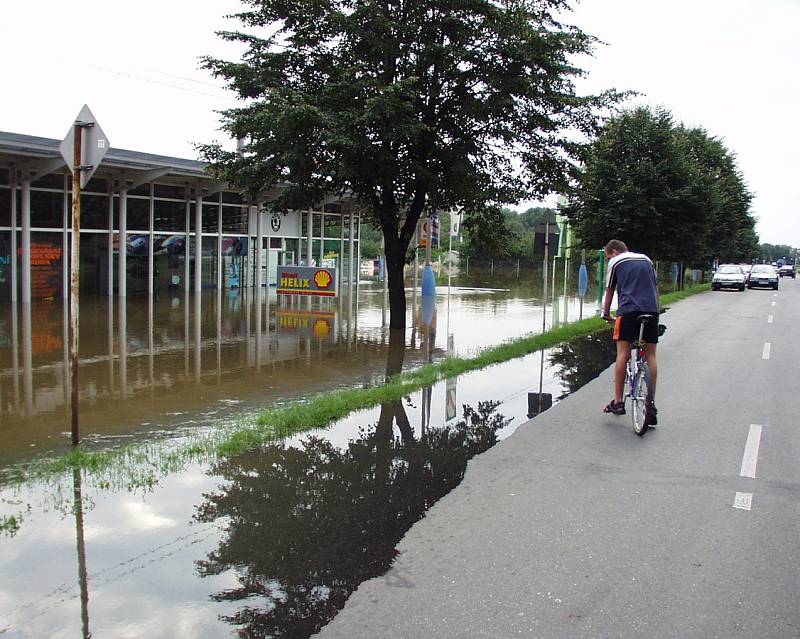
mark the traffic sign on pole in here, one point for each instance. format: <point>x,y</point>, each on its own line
<point>94,145</point>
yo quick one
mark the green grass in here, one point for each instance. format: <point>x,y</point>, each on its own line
<point>140,465</point>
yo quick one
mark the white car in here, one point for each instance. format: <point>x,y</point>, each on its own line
<point>728,276</point>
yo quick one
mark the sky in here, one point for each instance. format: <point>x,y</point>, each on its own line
<point>729,66</point>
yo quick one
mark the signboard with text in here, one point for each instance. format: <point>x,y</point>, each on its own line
<point>306,280</point>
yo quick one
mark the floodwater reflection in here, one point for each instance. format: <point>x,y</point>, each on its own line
<point>307,525</point>
<point>271,542</point>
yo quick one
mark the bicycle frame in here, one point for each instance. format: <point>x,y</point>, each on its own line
<point>635,362</point>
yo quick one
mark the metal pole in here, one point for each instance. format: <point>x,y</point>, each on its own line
<point>110,265</point>
<point>74,276</point>
<point>122,248</point>
<point>544,274</point>
<point>26,240</point>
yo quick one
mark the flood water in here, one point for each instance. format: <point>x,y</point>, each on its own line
<point>151,367</point>
<point>270,543</point>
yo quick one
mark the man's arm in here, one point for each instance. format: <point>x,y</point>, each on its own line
<point>607,302</point>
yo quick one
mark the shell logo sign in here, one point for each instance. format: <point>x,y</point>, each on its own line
<point>323,279</point>
<point>307,280</point>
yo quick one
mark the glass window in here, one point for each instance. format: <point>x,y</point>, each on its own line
<point>5,206</point>
<point>231,197</point>
<point>210,222</point>
<point>138,214</point>
<point>51,181</point>
<point>170,191</point>
<point>5,264</point>
<point>94,211</point>
<point>46,258</point>
<point>317,224</point>
<point>144,189</point>
<point>234,219</point>
<point>170,216</point>
<point>95,185</point>
<point>4,174</point>
<point>47,209</point>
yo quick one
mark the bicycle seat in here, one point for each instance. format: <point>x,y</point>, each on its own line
<point>644,317</point>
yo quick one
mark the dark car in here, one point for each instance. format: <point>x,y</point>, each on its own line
<point>787,270</point>
<point>763,275</point>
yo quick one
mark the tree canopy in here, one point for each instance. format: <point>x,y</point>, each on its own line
<point>672,192</point>
<point>405,104</point>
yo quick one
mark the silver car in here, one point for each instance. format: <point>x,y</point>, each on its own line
<point>728,276</point>
<point>763,275</point>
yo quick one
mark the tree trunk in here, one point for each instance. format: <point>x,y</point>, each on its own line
<point>395,263</point>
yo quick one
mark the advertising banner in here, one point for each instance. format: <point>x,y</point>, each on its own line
<point>306,280</point>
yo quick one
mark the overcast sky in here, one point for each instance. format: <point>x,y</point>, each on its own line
<point>730,66</point>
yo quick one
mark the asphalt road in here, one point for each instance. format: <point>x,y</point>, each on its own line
<point>575,527</point>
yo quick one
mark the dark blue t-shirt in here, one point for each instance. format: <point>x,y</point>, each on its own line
<point>634,277</point>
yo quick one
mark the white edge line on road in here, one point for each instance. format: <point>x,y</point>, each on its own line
<point>765,353</point>
<point>743,501</point>
<point>750,457</point>
<point>769,319</point>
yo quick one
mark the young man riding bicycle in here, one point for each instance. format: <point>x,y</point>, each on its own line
<point>633,277</point>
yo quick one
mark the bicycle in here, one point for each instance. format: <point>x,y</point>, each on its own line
<point>638,381</point>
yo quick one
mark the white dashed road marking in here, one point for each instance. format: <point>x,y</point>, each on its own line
<point>743,501</point>
<point>773,303</point>
<point>767,347</point>
<point>750,457</point>
<point>769,319</point>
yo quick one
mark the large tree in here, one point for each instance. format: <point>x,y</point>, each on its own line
<point>407,105</point>
<point>668,191</point>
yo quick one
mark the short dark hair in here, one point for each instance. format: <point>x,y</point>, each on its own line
<point>616,245</point>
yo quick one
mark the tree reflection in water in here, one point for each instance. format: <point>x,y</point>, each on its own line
<point>306,526</point>
<point>583,359</point>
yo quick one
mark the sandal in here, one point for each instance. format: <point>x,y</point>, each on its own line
<point>617,408</point>
<point>651,414</point>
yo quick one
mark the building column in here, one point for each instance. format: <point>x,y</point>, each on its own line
<point>150,244</point>
<point>186,272</point>
<point>358,253</point>
<point>341,250</point>
<point>259,249</point>
<point>198,241</point>
<point>111,240</point>
<point>219,243</point>
<point>26,241</point>
<point>66,224</point>
<point>350,249</point>
<point>122,253</point>
<point>310,235</point>
<point>14,258</point>
<point>322,236</point>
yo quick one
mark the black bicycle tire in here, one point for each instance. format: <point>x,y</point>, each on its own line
<point>642,376</point>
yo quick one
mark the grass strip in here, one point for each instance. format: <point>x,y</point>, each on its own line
<point>141,464</point>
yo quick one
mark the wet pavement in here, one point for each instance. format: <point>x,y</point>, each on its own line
<point>270,543</point>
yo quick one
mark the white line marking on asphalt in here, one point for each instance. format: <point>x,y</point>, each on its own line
<point>767,347</point>
<point>769,319</point>
<point>744,501</point>
<point>773,303</point>
<point>750,457</point>
<point>774,295</point>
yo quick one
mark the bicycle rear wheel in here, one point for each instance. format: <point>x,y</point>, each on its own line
<point>641,397</point>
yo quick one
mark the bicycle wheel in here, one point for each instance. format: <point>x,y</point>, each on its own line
<point>642,392</point>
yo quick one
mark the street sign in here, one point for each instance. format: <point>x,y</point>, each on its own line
<point>94,145</point>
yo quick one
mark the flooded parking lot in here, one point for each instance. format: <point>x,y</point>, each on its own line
<point>272,542</point>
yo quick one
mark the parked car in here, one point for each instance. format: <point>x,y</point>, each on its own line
<point>746,269</point>
<point>787,270</point>
<point>728,276</point>
<point>763,275</point>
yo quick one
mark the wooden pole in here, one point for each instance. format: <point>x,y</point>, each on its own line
<point>74,276</point>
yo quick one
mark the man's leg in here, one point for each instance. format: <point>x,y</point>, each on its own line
<point>650,356</point>
<point>623,354</point>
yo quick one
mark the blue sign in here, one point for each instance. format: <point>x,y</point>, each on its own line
<point>583,280</point>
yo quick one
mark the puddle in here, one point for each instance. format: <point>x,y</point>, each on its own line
<point>272,542</point>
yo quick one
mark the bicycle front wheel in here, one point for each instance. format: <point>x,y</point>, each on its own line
<point>640,399</point>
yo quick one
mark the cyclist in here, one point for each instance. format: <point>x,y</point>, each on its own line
<point>633,276</point>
